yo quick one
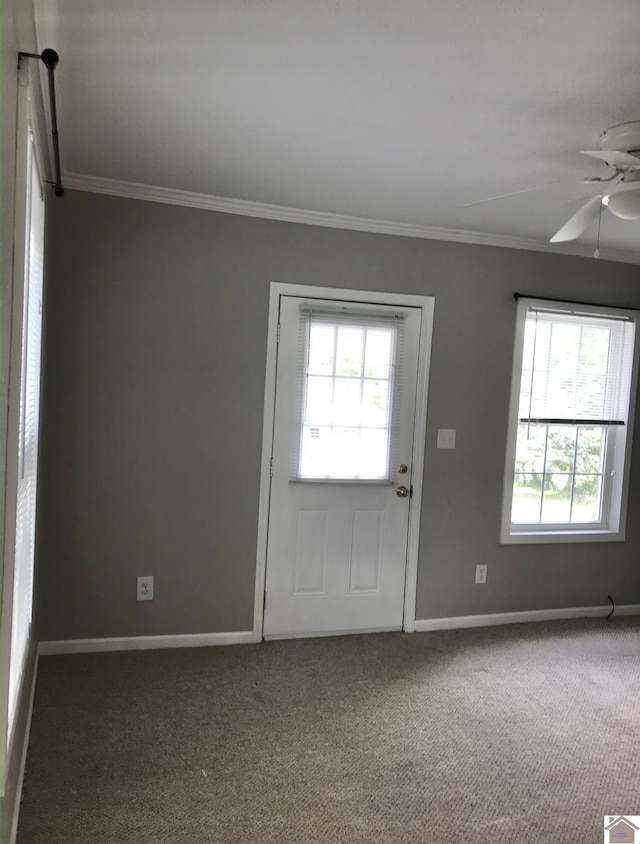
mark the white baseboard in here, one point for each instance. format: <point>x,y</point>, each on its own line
<point>23,755</point>
<point>490,620</point>
<point>142,643</point>
<point>271,637</point>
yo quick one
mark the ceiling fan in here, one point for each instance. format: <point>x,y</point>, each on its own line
<point>620,150</point>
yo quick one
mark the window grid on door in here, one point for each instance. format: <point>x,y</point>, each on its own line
<point>348,387</point>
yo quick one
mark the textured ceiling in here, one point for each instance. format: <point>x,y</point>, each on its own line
<point>402,110</point>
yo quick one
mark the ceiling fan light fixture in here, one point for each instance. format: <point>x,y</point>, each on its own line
<point>624,201</point>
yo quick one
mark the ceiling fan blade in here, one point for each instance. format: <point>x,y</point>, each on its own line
<point>574,227</point>
<point>506,195</point>
<point>614,158</point>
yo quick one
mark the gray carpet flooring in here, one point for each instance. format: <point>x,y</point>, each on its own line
<point>527,733</point>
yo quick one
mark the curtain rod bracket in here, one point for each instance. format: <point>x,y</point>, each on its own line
<point>50,59</point>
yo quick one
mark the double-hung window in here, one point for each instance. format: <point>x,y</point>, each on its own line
<point>570,423</point>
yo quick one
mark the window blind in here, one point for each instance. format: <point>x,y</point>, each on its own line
<point>349,381</point>
<point>28,428</point>
<point>576,368</point>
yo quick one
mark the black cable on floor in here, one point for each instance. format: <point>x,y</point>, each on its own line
<point>613,609</point>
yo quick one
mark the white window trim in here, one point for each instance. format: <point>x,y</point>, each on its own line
<point>27,121</point>
<point>614,529</point>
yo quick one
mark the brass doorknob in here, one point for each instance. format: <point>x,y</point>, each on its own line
<point>402,492</point>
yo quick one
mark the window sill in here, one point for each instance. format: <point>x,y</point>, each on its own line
<point>539,537</point>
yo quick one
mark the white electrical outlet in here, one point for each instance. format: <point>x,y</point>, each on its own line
<point>481,574</point>
<point>145,588</point>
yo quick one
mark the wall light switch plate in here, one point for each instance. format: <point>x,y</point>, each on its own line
<point>446,438</point>
<point>145,588</point>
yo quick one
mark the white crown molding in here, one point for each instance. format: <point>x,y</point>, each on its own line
<point>491,620</point>
<point>246,208</point>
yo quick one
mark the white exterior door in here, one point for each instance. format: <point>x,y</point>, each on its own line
<point>341,468</point>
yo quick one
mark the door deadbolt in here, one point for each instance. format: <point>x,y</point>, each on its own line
<point>403,468</point>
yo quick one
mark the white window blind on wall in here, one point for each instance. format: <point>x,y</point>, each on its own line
<point>28,428</point>
<point>350,381</point>
<point>576,368</point>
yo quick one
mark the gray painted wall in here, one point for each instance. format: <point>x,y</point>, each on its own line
<point>154,382</point>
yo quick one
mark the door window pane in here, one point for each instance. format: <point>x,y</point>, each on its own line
<point>378,353</point>
<point>319,398</point>
<point>348,389</point>
<point>373,451</point>
<point>347,401</point>
<point>349,351</point>
<point>375,395</point>
<point>322,341</point>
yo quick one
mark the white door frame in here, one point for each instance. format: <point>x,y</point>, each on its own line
<point>427,306</point>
